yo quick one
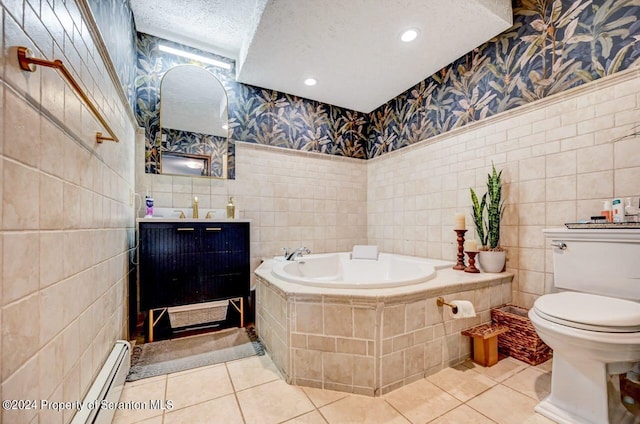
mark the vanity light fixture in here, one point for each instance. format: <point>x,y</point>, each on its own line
<point>409,35</point>
<point>193,56</point>
<point>194,165</point>
<point>310,82</point>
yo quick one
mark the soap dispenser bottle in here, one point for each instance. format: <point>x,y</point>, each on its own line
<point>231,209</point>
<point>148,200</point>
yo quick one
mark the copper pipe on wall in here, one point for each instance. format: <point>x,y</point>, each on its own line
<point>29,63</point>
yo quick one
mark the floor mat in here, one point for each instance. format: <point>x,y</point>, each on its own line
<point>168,356</point>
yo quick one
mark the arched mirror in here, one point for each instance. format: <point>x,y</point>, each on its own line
<point>193,123</point>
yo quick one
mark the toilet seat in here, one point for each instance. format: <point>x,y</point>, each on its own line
<point>590,312</point>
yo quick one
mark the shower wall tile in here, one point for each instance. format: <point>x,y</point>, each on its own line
<point>61,269</point>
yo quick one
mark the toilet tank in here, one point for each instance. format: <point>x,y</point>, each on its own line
<point>598,261</point>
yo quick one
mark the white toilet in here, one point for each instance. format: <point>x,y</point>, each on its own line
<point>592,323</point>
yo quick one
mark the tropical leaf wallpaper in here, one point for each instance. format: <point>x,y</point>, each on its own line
<point>115,20</point>
<point>256,115</point>
<point>551,47</point>
<point>199,144</point>
<point>152,64</point>
<point>264,116</point>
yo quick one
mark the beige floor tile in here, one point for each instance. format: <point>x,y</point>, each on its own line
<point>205,384</point>
<point>620,415</point>
<point>221,410</point>
<point>506,406</point>
<point>140,393</point>
<point>273,402</point>
<point>617,412</point>
<point>252,371</point>
<point>531,382</point>
<point>463,415</point>
<point>499,372</point>
<point>361,410</point>
<point>159,378</point>
<point>421,401</point>
<point>154,420</point>
<point>461,382</point>
<point>321,397</point>
<point>546,366</point>
<point>312,417</point>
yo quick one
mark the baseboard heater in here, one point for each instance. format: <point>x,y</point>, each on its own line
<point>106,387</point>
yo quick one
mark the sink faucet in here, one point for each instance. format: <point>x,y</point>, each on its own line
<point>195,207</point>
<point>298,252</point>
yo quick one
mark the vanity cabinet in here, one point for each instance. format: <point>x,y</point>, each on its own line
<point>192,262</point>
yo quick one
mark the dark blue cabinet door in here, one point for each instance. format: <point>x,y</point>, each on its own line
<point>192,263</point>
<point>225,259</point>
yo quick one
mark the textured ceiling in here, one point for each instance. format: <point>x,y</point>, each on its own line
<point>217,26</point>
<point>351,47</point>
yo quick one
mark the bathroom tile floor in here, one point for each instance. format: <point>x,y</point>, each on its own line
<point>251,390</point>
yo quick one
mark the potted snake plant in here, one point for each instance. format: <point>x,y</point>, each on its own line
<point>487,214</point>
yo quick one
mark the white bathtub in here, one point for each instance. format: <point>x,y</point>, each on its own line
<point>338,270</point>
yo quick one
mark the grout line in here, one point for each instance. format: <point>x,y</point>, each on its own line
<point>166,389</point>
<point>397,410</point>
<point>235,393</point>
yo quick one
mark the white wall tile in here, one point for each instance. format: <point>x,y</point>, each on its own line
<point>20,274</point>
<point>626,182</point>
<point>595,185</point>
<point>627,152</point>
<point>58,187</point>
<point>561,188</point>
<point>595,158</point>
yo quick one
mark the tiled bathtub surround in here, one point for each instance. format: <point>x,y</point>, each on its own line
<point>370,342</point>
<point>66,222</point>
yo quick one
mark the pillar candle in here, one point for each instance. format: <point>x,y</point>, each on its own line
<point>460,222</point>
<point>471,245</point>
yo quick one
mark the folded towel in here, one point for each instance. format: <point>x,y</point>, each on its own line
<point>364,252</point>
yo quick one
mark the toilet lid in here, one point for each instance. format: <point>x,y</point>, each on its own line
<point>590,312</point>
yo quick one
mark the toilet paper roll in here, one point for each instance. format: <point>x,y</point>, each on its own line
<point>465,309</point>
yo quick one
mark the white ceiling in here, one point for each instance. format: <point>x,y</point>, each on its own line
<point>352,47</point>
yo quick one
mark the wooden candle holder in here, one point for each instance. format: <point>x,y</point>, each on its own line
<point>460,264</point>
<point>472,263</point>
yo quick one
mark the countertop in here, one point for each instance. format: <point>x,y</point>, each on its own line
<point>191,220</point>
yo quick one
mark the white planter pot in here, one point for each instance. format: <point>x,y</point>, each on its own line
<point>490,261</point>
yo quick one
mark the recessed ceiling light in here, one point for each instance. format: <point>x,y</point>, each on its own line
<point>409,35</point>
<point>310,81</point>
<point>193,56</point>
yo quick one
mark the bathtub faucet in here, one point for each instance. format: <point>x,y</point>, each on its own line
<point>298,252</point>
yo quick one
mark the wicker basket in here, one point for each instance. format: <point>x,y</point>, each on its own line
<point>200,313</point>
<point>521,341</point>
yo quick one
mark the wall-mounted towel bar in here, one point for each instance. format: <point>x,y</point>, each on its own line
<point>29,63</point>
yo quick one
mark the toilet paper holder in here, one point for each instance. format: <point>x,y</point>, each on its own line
<point>440,302</point>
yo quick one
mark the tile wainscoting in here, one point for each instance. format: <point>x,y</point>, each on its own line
<point>561,157</point>
<point>292,198</point>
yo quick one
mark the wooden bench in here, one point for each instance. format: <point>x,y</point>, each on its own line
<point>485,342</point>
